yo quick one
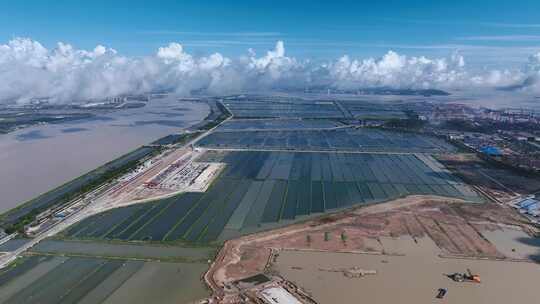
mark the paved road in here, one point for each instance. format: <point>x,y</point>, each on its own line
<point>284,129</point>
<point>9,257</point>
<point>7,238</point>
<point>311,151</point>
<point>97,205</point>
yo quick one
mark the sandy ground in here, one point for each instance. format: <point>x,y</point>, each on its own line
<point>515,243</point>
<point>412,278</point>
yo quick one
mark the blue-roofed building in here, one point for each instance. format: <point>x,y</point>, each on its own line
<point>491,151</point>
<point>532,207</point>
<point>527,202</point>
<point>529,205</point>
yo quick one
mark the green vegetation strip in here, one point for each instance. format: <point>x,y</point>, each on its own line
<point>15,219</point>
<point>177,259</point>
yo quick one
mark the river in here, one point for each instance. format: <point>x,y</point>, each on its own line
<point>36,159</point>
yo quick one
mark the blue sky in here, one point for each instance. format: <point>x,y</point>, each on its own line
<point>494,32</point>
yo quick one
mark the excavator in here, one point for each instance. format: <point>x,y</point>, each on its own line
<point>465,277</point>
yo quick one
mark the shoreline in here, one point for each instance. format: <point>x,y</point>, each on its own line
<point>149,145</point>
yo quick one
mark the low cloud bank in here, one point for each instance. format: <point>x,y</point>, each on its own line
<point>67,74</point>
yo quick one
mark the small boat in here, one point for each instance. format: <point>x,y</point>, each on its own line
<point>441,293</point>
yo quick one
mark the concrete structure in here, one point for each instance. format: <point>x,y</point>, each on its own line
<point>529,205</point>
<point>278,295</point>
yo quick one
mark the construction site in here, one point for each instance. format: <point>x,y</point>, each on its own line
<point>269,289</point>
<point>360,253</point>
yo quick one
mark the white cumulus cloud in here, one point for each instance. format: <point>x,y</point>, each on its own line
<point>67,74</point>
<point>398,71</point>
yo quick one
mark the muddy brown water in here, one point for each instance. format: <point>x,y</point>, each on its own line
<point>162,283</point>
<point>413,278</point>
<point>39,163</point>
<point>133,282</point>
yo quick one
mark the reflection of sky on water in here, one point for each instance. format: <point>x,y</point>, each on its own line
<point>172,114</point>
<point>31,135</point>
<point>489,98</point>
<point>73,130</point>
<point>493,99</point>
<point>97,118</point>
<point>162,122</point>
<point>35,159</point>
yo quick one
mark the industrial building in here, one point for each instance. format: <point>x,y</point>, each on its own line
<point>278,295</point>
<point>530,205</point>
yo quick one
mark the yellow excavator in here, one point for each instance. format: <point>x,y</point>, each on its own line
<point>465,277</point>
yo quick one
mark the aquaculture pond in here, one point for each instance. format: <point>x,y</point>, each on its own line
<point>261,189</point>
